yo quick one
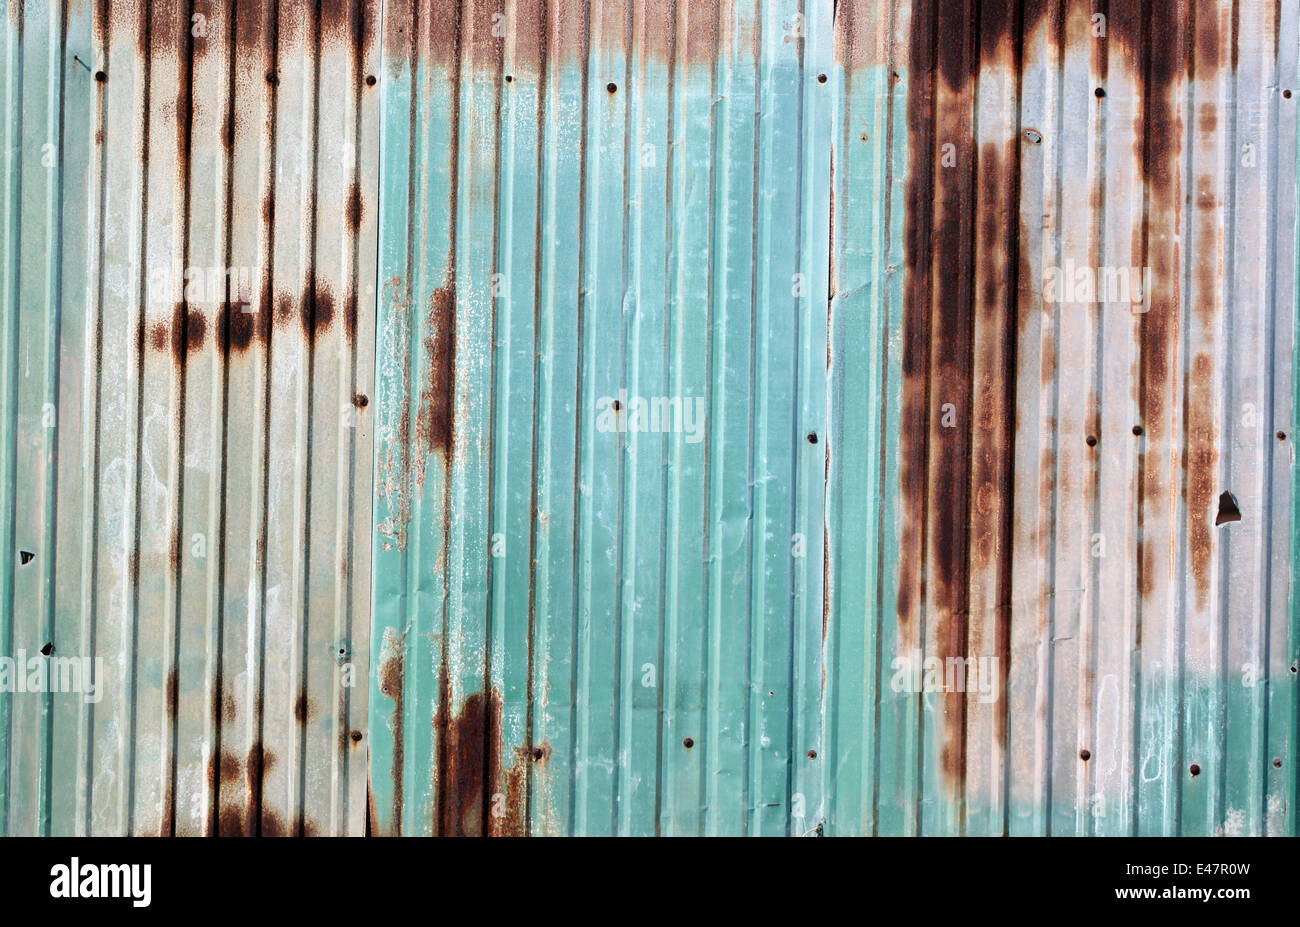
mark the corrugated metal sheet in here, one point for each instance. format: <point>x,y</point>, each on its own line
<point>584,625</point>
<point>972,457</point>
<point>187,323</point>
<point>1061,454</point>
<point>730,361</point>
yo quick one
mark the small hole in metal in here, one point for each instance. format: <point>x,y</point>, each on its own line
<point>1137,430</point>
<point>1277,762</point>
<point>370,80</point>
<point>1286,94</point>
<point>1092,442</point>
<point>48,649</point>
<point>812,437</point>
<point>688,743</point>
<point>1099,92</point>
<point>510,78</point>
<point>1228,509</point>
<point>612,87</point>
<point>25,557</point>
<point>1085,755</point>
<point>1194,769</point>
<point>812,754</point>
<point>356,737</point>
<point>1281,435</point>
<point>821,78</point>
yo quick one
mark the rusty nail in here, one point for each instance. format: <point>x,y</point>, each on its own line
<point>688,743</point>
<point>101,76</point>
<point>611,87</point>
<point>1286,94</point>
<point>1194,769</point>
<point>821,78</point>
<point>1085,754</point>
<point>1137,430</point>
<point>356,737</point>
<point>370,80</point>
<point>812,437</point>
<point>1099,92</point>
<point>1092,442</point>
<point>1277,762</point>
<point>812,754</point>
<point>1281,435</point>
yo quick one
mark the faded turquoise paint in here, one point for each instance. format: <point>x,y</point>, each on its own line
<point>633,631</point>
<point>871,740</point>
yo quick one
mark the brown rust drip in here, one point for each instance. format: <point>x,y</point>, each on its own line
<point>392,681</point>
<point>945,483</point>
<point>470,772</point>
<point>435,423</point>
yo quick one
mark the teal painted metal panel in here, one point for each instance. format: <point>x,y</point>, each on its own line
<point>626,213</point>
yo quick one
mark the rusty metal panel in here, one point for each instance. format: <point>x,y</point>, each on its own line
<point>187,319</point>
<point>1043,429</point>
<point>588,620</point>
<point>1063,314</point>
<point>790,417</point>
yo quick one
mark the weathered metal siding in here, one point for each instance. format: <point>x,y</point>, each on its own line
<point>581,631</point>
<point>186,451</point>
<point>831,223</point>
<point>1051,466</point>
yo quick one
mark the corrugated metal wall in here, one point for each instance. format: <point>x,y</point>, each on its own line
<point>588,621</point>
<point>187,320</point>
<point>1054,456</point>
<point>585,630</point>
<point>730,361</point>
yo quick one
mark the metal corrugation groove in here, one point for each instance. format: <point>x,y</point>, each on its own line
<point>189,239</point>
<point>1056,493</point>
<point>582,628</point>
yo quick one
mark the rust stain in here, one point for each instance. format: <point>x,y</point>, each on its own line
<point>435,422</point>
<point>173,691</point>
<point>1202,469</point>
<point>968,294</point>
<point>302,708</point>
<point>354,209</point>
<point>232,767</point>
<point>477,795</point>
<point>392,676</point>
